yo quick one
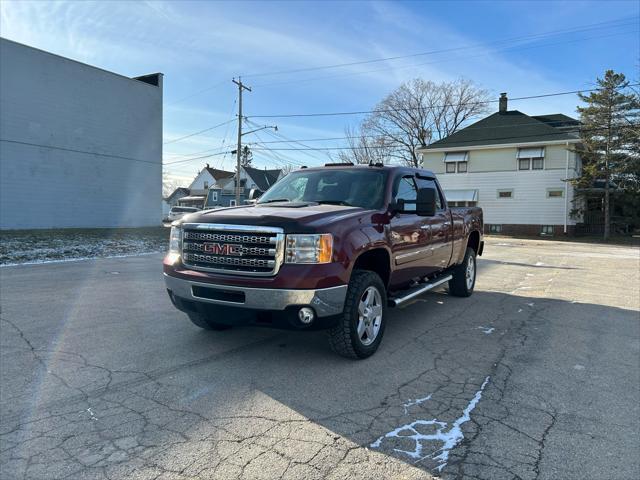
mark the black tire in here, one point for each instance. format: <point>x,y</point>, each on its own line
<point>458,285</point>
<point>343,337</point>
<point>203,322</point>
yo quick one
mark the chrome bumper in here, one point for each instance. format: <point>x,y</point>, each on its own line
<point>325,301</point>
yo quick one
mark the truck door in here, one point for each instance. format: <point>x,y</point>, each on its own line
<point>407,236</point>
<point>440,230</point>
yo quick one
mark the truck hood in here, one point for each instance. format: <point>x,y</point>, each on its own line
<point>292,217</point>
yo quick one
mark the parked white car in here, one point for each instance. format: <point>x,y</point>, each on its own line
<point>176,213</point>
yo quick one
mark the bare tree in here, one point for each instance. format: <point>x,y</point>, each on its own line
<point>364,148</point>
<point>419,112</point>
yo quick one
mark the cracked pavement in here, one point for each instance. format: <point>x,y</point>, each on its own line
<point>101,378</point>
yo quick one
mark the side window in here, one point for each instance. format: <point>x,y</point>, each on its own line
<point>427,183</point>
<point>406,190</point>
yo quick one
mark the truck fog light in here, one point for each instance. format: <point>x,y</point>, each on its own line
<point>306,315</point>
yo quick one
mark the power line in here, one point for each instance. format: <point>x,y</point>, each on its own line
<point>199,132</point>
<point>448,59</point>
<point>364,112</point>
<point>65,149</point>
<point>375,137</point>
<point>288,140</point>
<point>471,142</point>
<point>577,29</point>
<point>195,158</point>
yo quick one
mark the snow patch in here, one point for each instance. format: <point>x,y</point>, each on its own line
<point>486,330</point>
<point>448,437</point>
<point>79,259</point>
<point>417,401</point>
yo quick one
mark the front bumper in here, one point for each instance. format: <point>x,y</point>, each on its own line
<point>325,301</point>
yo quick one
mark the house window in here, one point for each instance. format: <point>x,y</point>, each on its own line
<point>552,193</point>
<point>206,185</point>
<point>495,228</point>
<point>505,193</point>
<point>547,230</point>
<point>530,158</point>
<point>456,158</point>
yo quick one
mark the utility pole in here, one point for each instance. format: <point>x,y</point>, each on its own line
<point>241,87</point>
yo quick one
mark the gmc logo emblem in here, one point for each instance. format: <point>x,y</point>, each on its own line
<point>223,249</point>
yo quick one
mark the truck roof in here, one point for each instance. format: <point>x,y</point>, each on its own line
<point>349,166</point>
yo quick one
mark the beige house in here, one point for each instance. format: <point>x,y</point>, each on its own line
<point>515,167</point>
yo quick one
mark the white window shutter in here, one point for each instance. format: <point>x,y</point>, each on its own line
<point>456,156</point>
<point>537,152</point>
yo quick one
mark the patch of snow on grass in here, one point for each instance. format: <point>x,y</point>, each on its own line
<point>449,438</point>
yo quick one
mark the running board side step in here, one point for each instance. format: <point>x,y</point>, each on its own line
<point>418,290</point>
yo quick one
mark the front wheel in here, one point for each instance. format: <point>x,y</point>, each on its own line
<point>359,330</point>
<point>464,276</point>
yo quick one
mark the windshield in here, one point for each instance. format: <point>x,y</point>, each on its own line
<point>356,187</point>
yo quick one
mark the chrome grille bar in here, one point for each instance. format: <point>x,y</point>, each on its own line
<point>233,249</point>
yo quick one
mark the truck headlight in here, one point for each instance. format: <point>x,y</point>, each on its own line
<point>175,244</point>
<point>309,248</point>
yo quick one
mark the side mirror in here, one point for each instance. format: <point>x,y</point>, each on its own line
<point>426,202</point>
<point>254,194</point>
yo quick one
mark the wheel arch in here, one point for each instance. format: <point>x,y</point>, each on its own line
<point>377,260</point>
<point>473,241</point>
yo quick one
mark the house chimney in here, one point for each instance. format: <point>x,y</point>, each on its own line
<point>503,103</point>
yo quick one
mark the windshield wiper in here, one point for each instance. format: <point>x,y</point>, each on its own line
<point>275,200</point>
<point>334,202</point>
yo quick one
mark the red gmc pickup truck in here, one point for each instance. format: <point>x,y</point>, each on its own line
<point>330,247</point>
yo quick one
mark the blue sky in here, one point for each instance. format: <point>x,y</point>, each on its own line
<point>200,46</point>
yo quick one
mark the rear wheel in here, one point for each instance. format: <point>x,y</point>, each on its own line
<point>205,323</point>
<point>359,330</point>
<point>464,275</point>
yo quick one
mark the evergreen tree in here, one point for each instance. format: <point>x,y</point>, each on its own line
<point>246,156</point>
<point>610,136</point>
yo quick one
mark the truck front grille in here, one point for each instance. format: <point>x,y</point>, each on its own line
<point>233,249</point>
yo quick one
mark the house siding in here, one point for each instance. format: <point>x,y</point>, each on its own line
<point>500,159</point>
<point>490,170</point>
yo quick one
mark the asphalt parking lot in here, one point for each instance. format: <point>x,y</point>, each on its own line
<point>537,375</point>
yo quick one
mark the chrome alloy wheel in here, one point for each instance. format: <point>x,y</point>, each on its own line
<point>369,315</point>
<point>470,272</point>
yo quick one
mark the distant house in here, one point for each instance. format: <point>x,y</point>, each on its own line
<point>515,167</point>
<point>173,199</point>
<point>223,194</point>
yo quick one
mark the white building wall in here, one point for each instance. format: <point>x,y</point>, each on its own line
<point>79,146</point>
<point>529,205</point>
